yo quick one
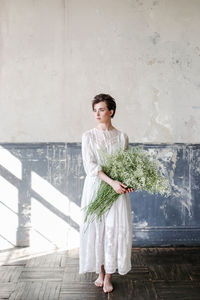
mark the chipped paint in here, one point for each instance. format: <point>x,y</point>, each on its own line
<point>142,224</point>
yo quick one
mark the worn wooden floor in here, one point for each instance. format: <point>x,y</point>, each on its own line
<point>157,273</point>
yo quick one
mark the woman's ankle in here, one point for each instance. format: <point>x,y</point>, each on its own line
<point>108,276</point>
<point>102,268</point>
<point>102,272</point>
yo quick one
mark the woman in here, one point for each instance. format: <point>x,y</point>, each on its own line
<point>106,244</point>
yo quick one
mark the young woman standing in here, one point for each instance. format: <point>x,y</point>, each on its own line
<point>105,247</point>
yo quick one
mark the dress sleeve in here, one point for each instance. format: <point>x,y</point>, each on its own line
<point>90,164</point>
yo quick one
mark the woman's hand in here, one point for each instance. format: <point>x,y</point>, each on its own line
<point>130,190</point>
<point>120,188</point>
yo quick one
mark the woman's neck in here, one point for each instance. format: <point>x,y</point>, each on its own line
<point>105,126</point>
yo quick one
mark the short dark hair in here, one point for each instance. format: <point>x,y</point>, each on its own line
<point>110,102</point>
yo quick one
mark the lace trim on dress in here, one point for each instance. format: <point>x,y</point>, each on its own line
<point>105,136</point>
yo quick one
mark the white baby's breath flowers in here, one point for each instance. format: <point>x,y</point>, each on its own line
<point>134,167</point>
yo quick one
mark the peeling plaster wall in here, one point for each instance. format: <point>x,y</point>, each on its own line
<point>41,187</point>
<point>56,55</point>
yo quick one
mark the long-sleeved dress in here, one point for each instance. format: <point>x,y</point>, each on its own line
<point>109,240</point>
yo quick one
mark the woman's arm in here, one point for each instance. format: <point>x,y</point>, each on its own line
<point>90,164</point>
<point>118,186</point>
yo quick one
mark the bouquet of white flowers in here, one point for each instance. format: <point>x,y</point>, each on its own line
<point>133,167</point>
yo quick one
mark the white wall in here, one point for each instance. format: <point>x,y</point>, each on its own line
<point>56,55</point>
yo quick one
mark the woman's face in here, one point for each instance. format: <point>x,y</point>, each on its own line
<point>101,112</point>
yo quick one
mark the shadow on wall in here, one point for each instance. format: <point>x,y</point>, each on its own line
<point>34,207</point>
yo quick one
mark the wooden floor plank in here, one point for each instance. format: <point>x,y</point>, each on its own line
<point>143,290</point>
<point>76,277</point>
<point>41,290</point>
<point>81,290</point>
<point>41,273</point>
<point>194,272</point>
<point>65,261</point>
<point>169,272</point>
<point>6,289</point>
<point>10,273</point>
<point>177,290</point>
<point>52,261</point>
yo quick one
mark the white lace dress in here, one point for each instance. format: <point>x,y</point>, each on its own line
<point>108,241</point>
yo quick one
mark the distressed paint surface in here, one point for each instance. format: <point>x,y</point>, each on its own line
<point>156,220</point>
<point>172,220</point>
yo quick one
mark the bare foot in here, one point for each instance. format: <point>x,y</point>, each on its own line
<point>99,282</point>
<point>107,286</point>
<point>100,279</point>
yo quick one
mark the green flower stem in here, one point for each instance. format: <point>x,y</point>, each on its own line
<point>104,200</point>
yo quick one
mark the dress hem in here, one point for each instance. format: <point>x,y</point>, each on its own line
<point>94,271</point>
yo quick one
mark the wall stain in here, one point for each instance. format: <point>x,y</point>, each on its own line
<point>155,3</point>
<point>155,38</point>
<point>154,61</point>
<point>196,107</point>
<point>157,126</point>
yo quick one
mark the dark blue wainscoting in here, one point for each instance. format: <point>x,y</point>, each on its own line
<point>156,220</point>
<point>173,220</point>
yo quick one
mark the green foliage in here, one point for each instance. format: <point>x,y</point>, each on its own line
<point>134,167</point>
